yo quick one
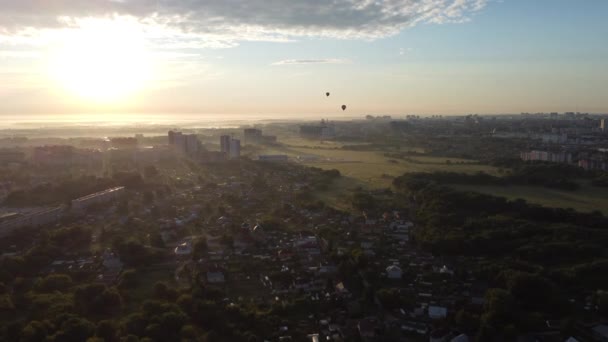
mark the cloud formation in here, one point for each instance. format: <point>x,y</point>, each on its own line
<point>226,22</point>
<point>311,61</point>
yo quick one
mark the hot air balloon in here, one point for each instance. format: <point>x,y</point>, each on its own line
<point>343,107</point>
<point>327,94</point>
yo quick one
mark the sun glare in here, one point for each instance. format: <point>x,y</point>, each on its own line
<point>101,61</point>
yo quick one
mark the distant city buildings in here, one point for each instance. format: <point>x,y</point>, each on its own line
<point>325,130</point>
<point>11,156</point>
<point>594,159</point>
<point>184,143</point>
<point>235,149</point>
<point>53,155</point>
<point>225,144</point>
<point>252,135</point>
<point>124,143</point>
<point>255,136</point>
<point>230,147</point>
<point>553,157</point>
<point>588,160</point>
<point>63,155</point>
<point>593,164</point>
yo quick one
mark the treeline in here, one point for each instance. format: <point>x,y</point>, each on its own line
<point>76,307</point>
<point>535,258</point>
<point>56,308</point>
<point>556,176</point>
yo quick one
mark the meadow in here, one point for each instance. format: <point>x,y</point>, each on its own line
<point>368,169</point>
<point>371,169</point>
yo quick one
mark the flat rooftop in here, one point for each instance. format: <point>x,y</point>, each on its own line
<point>8,216</point>
<point>84,198</point>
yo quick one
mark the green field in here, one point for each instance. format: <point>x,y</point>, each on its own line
<point>365,169</point>
<point>372,169</point>
<point>587,198</point>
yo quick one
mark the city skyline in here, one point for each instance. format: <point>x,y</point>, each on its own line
<point>278,59</point>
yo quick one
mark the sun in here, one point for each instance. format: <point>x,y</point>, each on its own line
<point>101,61</point>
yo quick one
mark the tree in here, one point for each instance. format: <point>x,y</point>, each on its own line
<point>75,329</point>
<point>130,338</point>
<point>97,299</point>
<point>602,302</point>
<point>95,339</point>
<point>389,298</point>
<point>133,253</point>
<point>107,330</point>
<point>227,241</point>
<point>163,292</point>
<point>156,240</point>
<point>122,208</point>
<point>128,279</point>
<point>131,180</point>
<point>10,267</point>
<point>35,331</point>
<point>200,248</point>
<point>500,307</point>
<point>71,237</point>
<point>533,291</point>
<point>363,201</point>
<point>154,330</point>
<point>148,197</point>
<point>188,332</point>
<point>468,322</point>
<point>171,323</point>
<point>150,171</point>
<point>53,282</point>
<point>135,324</point>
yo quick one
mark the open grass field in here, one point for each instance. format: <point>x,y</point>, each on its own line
<point>587,198</point>
<point>371,169</point>
<point>364,169</point>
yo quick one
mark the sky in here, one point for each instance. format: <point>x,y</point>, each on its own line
<point>277,58</point>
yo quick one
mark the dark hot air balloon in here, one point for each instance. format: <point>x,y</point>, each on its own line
<point>343,107</point>
<point>327,94</point>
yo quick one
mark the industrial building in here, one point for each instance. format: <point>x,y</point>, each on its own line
<point>98,197</point>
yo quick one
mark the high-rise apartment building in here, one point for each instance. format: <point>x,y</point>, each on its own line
<point>184,143</point>
<point>235,149</point>
<point>230,147</point>
<point>225,143</point>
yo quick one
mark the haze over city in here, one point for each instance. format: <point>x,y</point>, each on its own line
<point>303,170</point>
<point>277,59</point>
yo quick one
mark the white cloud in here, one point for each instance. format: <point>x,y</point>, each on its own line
<point>224,23</point>
<point>404,51</point>
<point>311,61</point>
<point>19,54</point>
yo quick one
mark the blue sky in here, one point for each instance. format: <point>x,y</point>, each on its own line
<point>391,56</point>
